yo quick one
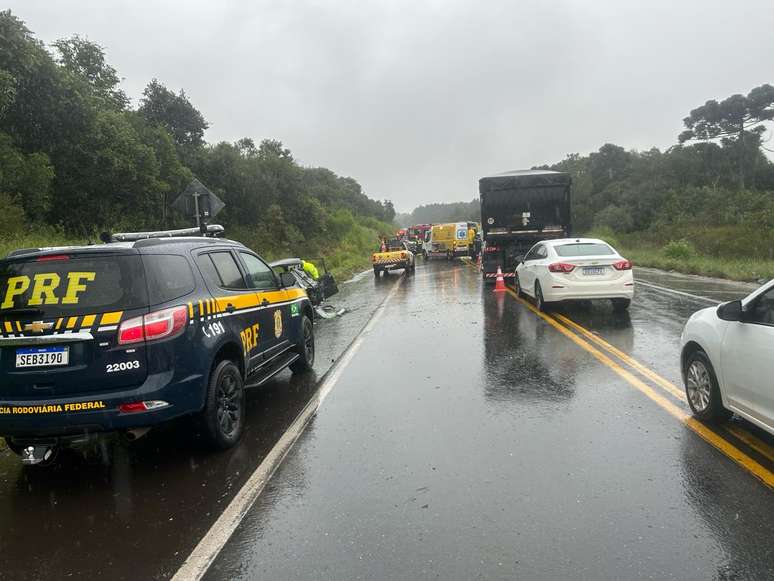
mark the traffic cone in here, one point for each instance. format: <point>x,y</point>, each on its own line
<point>499,281</point>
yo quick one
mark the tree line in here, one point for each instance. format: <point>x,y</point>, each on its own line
<point>714,187</point>
<point>77,156</point>
<point>440,213</point>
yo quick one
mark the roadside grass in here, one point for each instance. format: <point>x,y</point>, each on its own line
<point>39,239</point>
<point>690,262</point>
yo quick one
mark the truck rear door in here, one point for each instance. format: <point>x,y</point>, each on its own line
<point>59,318</point>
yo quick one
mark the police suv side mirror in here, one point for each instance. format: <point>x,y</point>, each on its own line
<point>519,259</point>
<point>731,311</point>
<point>287,279</point>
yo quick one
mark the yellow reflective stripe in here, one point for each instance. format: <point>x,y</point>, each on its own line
<point>18,326</point>
<point>201,309</point>
<point>111,318</point>
<point>8,327</point>
<point>58,324</point>
<point>88,321</point>
<point>190,310</point>
<point>71,322</point>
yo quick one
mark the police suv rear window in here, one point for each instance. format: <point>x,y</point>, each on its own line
<point>221,269</point>
<point>583,249</point>
<point>169,277</point>
<point>71,285</point>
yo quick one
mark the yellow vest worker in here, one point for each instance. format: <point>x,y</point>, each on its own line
<point>310,269</point>
<point>471,235</point>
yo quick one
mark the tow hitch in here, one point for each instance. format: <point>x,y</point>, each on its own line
<point>34,455</point>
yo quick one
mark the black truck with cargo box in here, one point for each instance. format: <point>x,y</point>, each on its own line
<point>519,209</point>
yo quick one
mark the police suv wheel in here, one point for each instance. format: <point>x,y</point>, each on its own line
<point>15,448</point>
<point>306,350</point>
<point>223,417</point>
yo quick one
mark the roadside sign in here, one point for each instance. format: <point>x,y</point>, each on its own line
<point>198,202</point>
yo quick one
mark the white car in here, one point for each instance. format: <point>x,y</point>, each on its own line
<point>727,359</point>
<point>575,269</point>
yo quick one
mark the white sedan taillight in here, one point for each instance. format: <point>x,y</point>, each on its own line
<point>153,326</point>
<point>623,265</point>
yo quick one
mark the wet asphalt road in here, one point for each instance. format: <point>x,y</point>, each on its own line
<point>467,439</point>
<point>136,511</point>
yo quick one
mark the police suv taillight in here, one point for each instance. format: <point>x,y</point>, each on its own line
<point>153,326</point>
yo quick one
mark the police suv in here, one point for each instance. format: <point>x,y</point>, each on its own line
<point>151,326</point>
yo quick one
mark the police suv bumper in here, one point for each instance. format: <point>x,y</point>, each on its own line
<point>99,412</point>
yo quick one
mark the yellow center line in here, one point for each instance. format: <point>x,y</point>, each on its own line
<point>751,465</point>
<point>650,374</point>
<point>755,443</point>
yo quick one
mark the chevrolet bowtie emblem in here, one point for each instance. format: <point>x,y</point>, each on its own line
<point>38,326</point>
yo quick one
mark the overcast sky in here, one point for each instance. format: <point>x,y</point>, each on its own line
<point>418,99</point>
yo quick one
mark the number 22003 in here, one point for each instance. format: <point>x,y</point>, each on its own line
<point>123,366</point>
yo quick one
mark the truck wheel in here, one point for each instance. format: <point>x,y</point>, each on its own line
<point>306,349</point>
<point>223,417</point>
<point>377,272</point>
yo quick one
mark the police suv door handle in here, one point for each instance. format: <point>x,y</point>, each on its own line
<point>265,303</point>
<point>230,308</point>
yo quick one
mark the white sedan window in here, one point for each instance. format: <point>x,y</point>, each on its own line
<point>584,249</point>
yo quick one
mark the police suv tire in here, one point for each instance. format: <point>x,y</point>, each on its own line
<point>223,417</point>
<point>305,362</point>
<point>15,448</point>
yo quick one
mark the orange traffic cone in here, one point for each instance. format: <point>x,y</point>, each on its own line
<point>499,282</point>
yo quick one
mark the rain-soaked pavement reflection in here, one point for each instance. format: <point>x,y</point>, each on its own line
<point>468,439</point>
<point>135,511</point>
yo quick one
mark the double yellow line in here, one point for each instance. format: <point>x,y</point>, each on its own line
<point>625,368</point>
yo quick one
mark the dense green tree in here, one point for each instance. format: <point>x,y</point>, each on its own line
<point>161,106</point>
<point>738,122</point>
<point>86,60</point>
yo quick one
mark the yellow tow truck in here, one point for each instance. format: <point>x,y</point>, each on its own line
<point>397,255</point>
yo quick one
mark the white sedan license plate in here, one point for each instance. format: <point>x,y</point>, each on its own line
<point>593,270</point>
<point>42,357</point>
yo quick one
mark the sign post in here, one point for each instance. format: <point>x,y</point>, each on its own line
<point>199,203</point>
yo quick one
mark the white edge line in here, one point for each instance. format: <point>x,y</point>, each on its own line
<point>208,548</point>
<point>676,292</point>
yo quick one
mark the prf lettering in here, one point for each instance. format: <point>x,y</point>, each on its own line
<point>44,287</point>
<point>249,338</point>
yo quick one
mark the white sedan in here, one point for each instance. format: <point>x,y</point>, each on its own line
<point>727,359</point>
<point>575,269</point>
